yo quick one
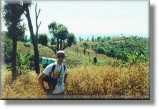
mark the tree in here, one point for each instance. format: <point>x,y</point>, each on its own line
<point>12,16</point>
<point>53,30</point>
<point>43,39</point>
<point>59,32</point>
<point>71,39</point>
<point>85,45</point>
<point>25,6</point>
<point>53,41</point>
<point>93,39</point>
<point>21,32</point>
<point>62,34</point>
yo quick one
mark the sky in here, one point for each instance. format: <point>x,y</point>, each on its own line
<point>130,17</point>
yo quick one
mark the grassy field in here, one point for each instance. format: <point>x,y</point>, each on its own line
<point>105,80</point>
<point>109,82</point>
<point>97,81</point>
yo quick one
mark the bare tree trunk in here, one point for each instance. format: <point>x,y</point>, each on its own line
<point>36,18</point>
<point>60,44</point>
<point>34,41</point>
<point>57,44</point>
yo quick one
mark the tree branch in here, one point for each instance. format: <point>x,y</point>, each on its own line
<point>37,13</point>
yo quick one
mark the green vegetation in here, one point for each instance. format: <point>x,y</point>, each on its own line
<point>121,67</point>
<point>43,39</point>
<point>131,49</point>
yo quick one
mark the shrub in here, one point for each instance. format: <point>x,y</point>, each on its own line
<point>100,50</point>
<point>43,39</point>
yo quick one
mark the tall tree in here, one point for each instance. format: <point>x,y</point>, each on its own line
<point>12,16</point>
<point>60,32</point>
<point>34,37</point>
<point>53,30</point>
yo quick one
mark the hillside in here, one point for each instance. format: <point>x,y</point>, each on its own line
<point>28,48</point>
<point>109,78</point>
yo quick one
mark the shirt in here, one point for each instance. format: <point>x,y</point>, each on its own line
<point>59,88</point>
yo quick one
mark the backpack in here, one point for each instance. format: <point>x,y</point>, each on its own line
<point>52,81</point>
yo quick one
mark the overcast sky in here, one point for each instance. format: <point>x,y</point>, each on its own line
<point>94,16</point>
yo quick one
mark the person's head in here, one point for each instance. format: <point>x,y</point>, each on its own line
<point>60,56</point>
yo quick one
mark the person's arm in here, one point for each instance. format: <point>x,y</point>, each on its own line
<point>65,77</point>
<point>44,84</point>
<point>40,78</point>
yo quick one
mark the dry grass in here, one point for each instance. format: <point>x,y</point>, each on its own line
<point>25,86</point>
<point>99,81</point>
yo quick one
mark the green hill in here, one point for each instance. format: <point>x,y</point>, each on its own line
<point>28,48</point>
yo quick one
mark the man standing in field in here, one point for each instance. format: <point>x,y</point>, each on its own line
<point>54,76</point>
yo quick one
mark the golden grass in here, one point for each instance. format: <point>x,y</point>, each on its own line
<point>108,81</point>
<point>25,86</point>
<point>99,81</point>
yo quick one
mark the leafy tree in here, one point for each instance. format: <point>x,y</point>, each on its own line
<point>62,34</point>
<point>16,10</point>
<point>53,41</point>
<point>21,32</point>
<point>43,39</point>
<point>12,16</point>
<point>59,32</point>
<point>53,30</point>
<point>71,39</point>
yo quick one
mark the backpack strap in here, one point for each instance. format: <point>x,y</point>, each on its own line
<point>64,67</point>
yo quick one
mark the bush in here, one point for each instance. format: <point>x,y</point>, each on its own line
<point>43,39</point>
<point>23,62</point>
<point>7,49</point>
<point>100,50</point>
<point>27,44</point>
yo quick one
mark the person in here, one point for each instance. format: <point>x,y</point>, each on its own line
<point>95,60</point>
<point>54,76</point>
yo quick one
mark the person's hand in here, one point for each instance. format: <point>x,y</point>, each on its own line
<point>46,86</point>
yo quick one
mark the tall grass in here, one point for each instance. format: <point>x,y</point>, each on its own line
<point>107,81</point>
<point>25,86</point>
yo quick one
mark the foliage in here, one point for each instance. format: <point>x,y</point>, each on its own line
<point>100,50</point>
<point>24,62</point>
<point>60,32</point>
<point>61,36</point>
<point>12,16</point>
<point>71,39</point>
<point>43,39</point>
<point>128,49</point>
<point>7,49</point>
